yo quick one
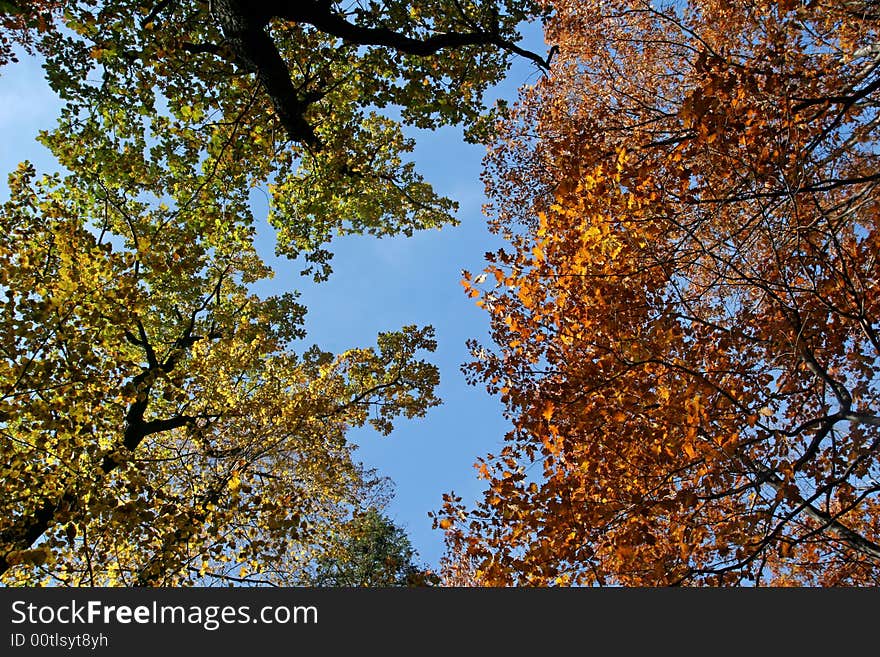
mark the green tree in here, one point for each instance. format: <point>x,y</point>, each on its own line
<point>370,550</point>
<point>159,426</point>
<point>308,99</point>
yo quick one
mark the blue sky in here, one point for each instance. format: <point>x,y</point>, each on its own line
<point>377,285</point>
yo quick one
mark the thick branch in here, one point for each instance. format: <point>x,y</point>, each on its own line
<point>244,28</point>
<point>197,48</point>
<point>321,16</point>
<point>817,187</point>
<point>27,529</point>
<point>254,50</point>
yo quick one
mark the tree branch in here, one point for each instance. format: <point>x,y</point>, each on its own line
<point>244,28</point>
<point>254,50</point>
<point>855,540</point>
<point>321,16</point>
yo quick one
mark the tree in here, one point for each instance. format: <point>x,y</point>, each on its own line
<point>687,317</point>
<point>369,551</point>
<point>159,424</point>
<point>310,97</point>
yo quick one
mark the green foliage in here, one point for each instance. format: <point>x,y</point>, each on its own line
<point>370,551</point>
<point>159,427</point>
<point>165,89</point>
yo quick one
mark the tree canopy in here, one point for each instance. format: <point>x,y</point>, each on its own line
<point>308,98</point>
<point>370,551</point>
<point>156,422</point>
<point>160,423</point>
<point>686,319</point>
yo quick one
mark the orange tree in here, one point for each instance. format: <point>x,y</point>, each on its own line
<point>686,318</point>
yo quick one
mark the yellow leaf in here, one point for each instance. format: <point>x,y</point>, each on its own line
<point>234,482</point>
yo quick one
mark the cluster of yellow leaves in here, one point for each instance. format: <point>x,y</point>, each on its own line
<point>157,426</point>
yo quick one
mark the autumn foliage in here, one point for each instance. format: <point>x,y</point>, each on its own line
<point>687,317</point>
<point>161,422</point>
<point>22,22</point>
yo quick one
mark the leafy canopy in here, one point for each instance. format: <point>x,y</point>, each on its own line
<point>687,318</point>
<point>160,425</point>
<point>157,425</point>
<point>310,98</point>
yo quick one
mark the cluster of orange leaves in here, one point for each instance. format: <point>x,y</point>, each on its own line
<point>686,319</point>
<point>20,21</point>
